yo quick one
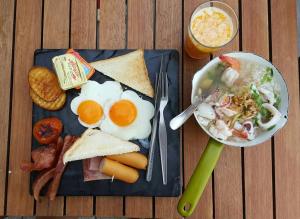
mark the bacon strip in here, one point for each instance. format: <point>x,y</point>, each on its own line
<point>60,167</point>
<point>43,157</point>
<point>41,181</point>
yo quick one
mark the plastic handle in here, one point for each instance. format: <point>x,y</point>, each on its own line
<point>200,177</point>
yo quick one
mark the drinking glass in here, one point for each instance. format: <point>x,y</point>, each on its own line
<point>196,49</point>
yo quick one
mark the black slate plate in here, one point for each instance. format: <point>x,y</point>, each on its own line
<point>72,181</point>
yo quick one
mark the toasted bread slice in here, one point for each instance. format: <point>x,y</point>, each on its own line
<point>95,143</point>
<point>129,69</point>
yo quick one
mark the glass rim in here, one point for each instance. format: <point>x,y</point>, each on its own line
<point>233,35</point>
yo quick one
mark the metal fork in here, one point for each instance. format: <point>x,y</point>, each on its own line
<point>162,131</point>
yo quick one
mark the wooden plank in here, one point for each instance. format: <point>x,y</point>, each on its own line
<point>168,34</point>
<point>79,206</point>
<point>228,172</point>
<point>27,39</point>
<point>194,139</point>
<point>140,20</point>
<point>287,150</point>
<point>112,33</point>
<point>83,24</point>
<point>228,184</point>
<point>112,24</point>
<point>6,41</point>
<point>83,35</point>
<point>258,160</point>
<point>56,24</point>
<point>55,36</point>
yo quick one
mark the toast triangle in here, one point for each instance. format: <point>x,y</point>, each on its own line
<point>94,143</point>
<point>129,69</point>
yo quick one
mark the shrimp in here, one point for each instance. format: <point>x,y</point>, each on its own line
<point>231,74</point>
<point>232,62</point>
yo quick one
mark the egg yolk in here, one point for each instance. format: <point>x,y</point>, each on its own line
<point>123,112</point>
<point>89,111</point>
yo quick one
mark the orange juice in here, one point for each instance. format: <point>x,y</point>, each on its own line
<point>210,28</point>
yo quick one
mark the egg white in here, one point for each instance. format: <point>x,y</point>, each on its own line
<point>140,128</point>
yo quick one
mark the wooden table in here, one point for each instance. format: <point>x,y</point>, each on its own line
<point>259,182</point>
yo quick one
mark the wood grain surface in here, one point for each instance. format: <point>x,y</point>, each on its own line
<point>6,53</point>
<point>113,18</point>
<point>27,39</point>
<point>258,182</point>
<point>258,159</point>
<point>56,24</point>
<point>168,35</point>
<point>55,36</point>
<point>112,24</point>
<point>140,20</point>
<point>194,139</point>
<point>286,148</point>
<point>228,172</point>
<point>83,35</point>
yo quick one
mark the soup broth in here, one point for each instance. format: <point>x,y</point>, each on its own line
<point>241,100</point>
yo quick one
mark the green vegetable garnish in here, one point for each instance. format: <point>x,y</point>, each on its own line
<point>215,74</point>
<point>268,76</point>
<point>269,129</point>
<point>278,101</point>
<point>255,121</point>
<point>259,102</point>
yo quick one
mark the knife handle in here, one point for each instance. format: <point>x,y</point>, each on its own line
<point>163,143</point>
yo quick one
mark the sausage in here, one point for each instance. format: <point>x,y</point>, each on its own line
<point>60,167</point>
<point>41,181</point>
<point>118,171</point>
<point>133,159</point>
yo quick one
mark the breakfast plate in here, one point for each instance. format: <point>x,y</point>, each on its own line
<point>72,182</point>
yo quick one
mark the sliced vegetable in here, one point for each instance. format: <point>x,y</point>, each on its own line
<point>225,100</point>
<point>235,118</point>
<point>259,102</point>
<point>206,83</point>
<point>47,130</point>
<point>268,76</point>
<point>269,129</point>
<point>277,101</point>
<point>216,72</point>
<point>276,115</point>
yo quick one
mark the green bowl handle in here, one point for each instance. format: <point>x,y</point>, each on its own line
<point>200,177</point>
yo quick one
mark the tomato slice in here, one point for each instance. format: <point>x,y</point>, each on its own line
<point>47,130</point>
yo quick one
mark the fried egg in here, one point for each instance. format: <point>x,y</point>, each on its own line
<point>90,103</point>
<point>128,117</point>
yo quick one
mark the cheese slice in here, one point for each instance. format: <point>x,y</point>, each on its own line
<point>129,69</point>
<point>94,143</point>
